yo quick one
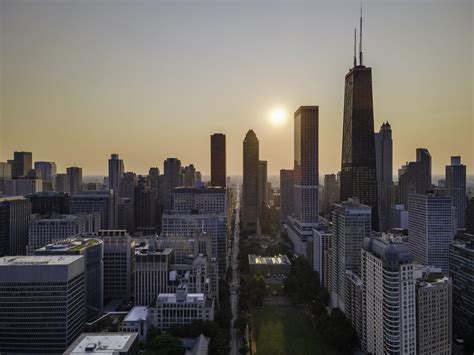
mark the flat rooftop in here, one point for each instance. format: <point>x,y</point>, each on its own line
<point>137,313</point>
<point>39,260</point>
<point>171,298</point>
<point>102,343</point>
<point>71,245</point>
<point>269,260</point>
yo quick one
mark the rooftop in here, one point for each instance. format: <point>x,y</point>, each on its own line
<point>11,198</point>
<point>137,313</point>
<point>171,298</point>
<point>102,343</point>
<point>200,190</point>
<point>39,260</point>
<point>71,245</point>
<point>269,260</point>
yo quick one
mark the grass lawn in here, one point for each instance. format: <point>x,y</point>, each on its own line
<point>285,330</point>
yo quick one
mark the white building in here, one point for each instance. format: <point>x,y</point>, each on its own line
<point>180,308</point>
<point>322,241</point>
<point>137,321</point>
<point>388,297</point>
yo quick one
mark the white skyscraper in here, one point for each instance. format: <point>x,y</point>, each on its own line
<point>388,297</point>
<point>431,225</point>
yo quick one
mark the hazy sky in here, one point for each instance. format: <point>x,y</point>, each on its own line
<point>153,79</point>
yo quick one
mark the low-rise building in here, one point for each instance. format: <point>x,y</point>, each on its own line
<point>137,321</point>
<point>273,265</point>
<point>104,343</point>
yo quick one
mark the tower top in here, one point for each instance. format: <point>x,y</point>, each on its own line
<point>361,62</point>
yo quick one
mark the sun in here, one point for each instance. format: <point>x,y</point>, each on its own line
<point>278,117</point>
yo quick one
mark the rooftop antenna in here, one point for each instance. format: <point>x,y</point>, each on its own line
<point>360,39</point>
<point>355,56</point>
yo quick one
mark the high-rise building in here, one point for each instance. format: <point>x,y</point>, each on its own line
<point>47,170</point>
<point>423,176</point>
<point>44,203</point>
<point>48,311</point>
<point>262,185</point>
<point>306,177</point>
<point>119,264</point>
<point>93,252</point>
<point>60,183</point>
<point>322,247</point>
<point>456,188</point>
<point>331,193</point>
<point>23,187</point>
<point>384,163</point>
<point>286,194</point>
<point>126,215</point>
<point>116,170</point>
<point>433,315</point>
<point>358,165</point>
<point>22,163</point>
<point>145,218</point>
<point>15,214</point>
<point>5,175</point>
<point>103,202</point>
<point>73,180</point>
<point>431,229</point>
<point>388,297</point>
<point>172,178</point>
<point>250,182</point>
<point>218,160</point>
<point>189,176</point>
<point>351,224</point>
<point>469,215</point>
<point>461,271</point>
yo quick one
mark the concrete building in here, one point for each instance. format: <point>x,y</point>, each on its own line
<point>103,202</point>
<point>60,183</point>
<point>15,214</point>
<point>151,273</point>
<point>306,177</point>
<point>44,203</point>
<point>433,315</point>
<point>286,194</point>
<point>218,160</point>
<point>23,187</point>
<point>116,170</point>
<point>250,206</point>
<point>322,247</point>
<point>461,271</point>
<point>145,208</point>
<point>137,321</point>
<point>384,164</point>
<point>22,163</point>
<point>105,343</point>
<point>398,217</point>
<point>273,265</point>
<point>126,214</point>
<point>189,176</point>
<point>92,250</point>
<point>389,302</point>
<point>5,175</point>
<point>46,169</point>
<point>73,180</point>
<point>180,308</point>
<point>200,200</point>
<point>262,186</point>
<point>351,224</point>
<point>431,226</point>
<point>330,196</point>
<point>423,175</point>
<point>119,264</point>
<point>171,179</point>
<point>53,286</point>
<point>456,188</point>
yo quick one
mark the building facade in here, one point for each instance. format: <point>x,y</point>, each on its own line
<point>116,170</point>
<point>250,206</point>
<point>384,163</point>
<point>456,188</point>
<point>15,214</point>
<point>218,160</point>
<point>103,202</point>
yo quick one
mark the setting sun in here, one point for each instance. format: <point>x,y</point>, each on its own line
<point>278,117</point>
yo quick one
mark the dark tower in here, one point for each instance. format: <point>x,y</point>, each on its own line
<point>358,166</point>
<point>250,181</point>
<point>218,173</point>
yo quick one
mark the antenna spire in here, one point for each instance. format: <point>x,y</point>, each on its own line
<point>361,62</point>
<point>355,55</point>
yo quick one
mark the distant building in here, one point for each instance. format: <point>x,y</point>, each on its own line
<point>389,321</point>
<point>470,216</point>
<point>116,170</point>
<point>47,170</point>
<point>52,286</point>
<point>273,265</point>
<point>92,250</point>
<point>262,186</point>
<point>44,203</point>
<point>331,193</point>
<point>172,178</point>
<point>180,308</point>
<point>5,175</point>
<point>431,229</point>
<point>384,158</point>
<point>103,202</point>
<point>189,176</point>
<point>145,208</point>
<point>423,176</point>
<point>126,214</point>
<point>15,214</point>
<point>398,217</point>
<point>286,194</point>
<point>23,187</point>
<point>456,188</point>
<point>105,343</point>
<point>461,271</point>
<point>218,160</point>
<point>73,180</point>
<point>60,183</point>
<point>137,321</point>
<point>250,208</point>
<point>22,163</point>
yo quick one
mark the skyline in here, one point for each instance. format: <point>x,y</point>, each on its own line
<point>98,88</point>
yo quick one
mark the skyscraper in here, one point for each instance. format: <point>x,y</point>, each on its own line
<point>5,175</point>
<point>74,180</point>
<point>250,181</point>
<point>47,170</point>
<point>330,193</point>
<point>286,194</point>
<point>262,185</point>
<point>22,163</point>
<point>60,183</point>
<point>172,178</point>
<point>384,159</point>
<point>430,229</point>
<point>306,177</point>
<point>358,165</point>
<point>103,202</point>
<point>423,175</point>
<point>116,170</point>
<point>15,214</point>
<point>456,188</point>
<point>189,176</point>
<point>218,160</point>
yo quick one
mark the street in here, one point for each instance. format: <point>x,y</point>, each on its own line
<point>234,285</point>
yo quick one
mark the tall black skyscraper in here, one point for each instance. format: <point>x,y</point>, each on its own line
<point>358,166</point>
<point>218,168</point>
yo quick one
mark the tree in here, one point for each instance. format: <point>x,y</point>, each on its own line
<point>166,344</point>
<point>244,349</point>
<point>241,323</point>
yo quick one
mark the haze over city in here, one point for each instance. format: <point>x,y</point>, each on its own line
<point>150,80</point>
